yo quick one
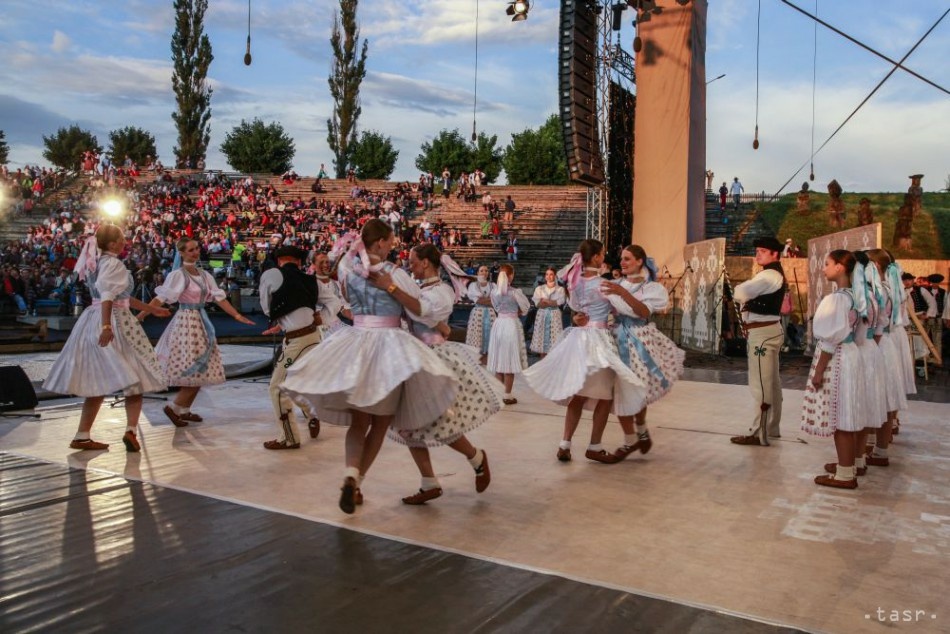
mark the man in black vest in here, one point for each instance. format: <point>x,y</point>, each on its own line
<point>761,301</point>
<point>289,298</point>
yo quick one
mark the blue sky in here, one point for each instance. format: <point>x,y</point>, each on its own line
<point>105,65</point>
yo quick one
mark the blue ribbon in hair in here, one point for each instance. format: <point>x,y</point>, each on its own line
<point>650,263</point>
<point>859,290</point>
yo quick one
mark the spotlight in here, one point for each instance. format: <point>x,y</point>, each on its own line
<point>247,54</point>
<point>518,9</point>
<point>618,10</point>
<point>112,208</point>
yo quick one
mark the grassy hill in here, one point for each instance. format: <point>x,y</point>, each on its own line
<point>931,232</point>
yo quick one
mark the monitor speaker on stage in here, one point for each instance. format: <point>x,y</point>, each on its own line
<point>16,390</point>
<point>577,85</point>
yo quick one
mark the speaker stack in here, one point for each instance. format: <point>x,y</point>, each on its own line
<point>577,81</point>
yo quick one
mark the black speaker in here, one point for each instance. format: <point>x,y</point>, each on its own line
<point>577,85</point>
<point>16,390</point>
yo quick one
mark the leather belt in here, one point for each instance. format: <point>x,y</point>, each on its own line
<point>301,332</point>
<point>758,324</point>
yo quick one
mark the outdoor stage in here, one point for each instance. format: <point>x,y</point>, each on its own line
<point>698,535</point>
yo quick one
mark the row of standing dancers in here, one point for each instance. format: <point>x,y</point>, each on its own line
<point>375,377</point>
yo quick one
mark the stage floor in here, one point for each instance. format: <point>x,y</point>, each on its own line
<point>708,530</point>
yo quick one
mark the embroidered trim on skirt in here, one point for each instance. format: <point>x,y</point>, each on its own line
<point>838,404</point>
<point>548,330</point>
<point>480,322</point>
<point>182,343</point>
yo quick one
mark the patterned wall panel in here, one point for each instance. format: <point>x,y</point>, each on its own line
<point>857,239</point>
<point>702,295</point>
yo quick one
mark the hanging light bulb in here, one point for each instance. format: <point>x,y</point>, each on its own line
<point>811,176</point>
<point>755,141</point>
<point>247,53</point>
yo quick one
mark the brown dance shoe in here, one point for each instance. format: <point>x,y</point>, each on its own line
<point>832,468</point>
<point>423,496</point>
<point>348,496</point>
<point>87,445</point>
<point>830,481</point>
<point>601,456</point>
<point>131,442</point>
<point>191,417</point>
<point>482,474</point>
<point>314,426</point>
<point>877,461</point>
<point>564,455</point>
<point>751,439</point>
<point>281,444</point>
<point>174,417</point>
<point>644,442</point>
<point>358,497</point>
<point>509,401</point>
<point>623,451</point>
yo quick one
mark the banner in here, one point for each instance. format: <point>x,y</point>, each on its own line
<point>702,285</point>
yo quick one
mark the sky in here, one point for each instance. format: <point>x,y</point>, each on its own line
<point>107,65</point>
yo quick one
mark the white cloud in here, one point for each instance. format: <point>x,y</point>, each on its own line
<point>61,42</point>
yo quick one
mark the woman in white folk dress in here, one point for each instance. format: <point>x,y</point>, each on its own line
<point>372,375</point>
<point>888,324</point>
<point>873,362</point>
<point>107,350</point>
<point>652,356</point>
<point>479,395</point>
<point>507,355</point>
<point>585,369</point>
<point>548,298</point>
<point>834,396</point>
<point>482,317</point>
<point>188,350</point>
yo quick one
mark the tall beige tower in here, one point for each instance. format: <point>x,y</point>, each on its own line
<point>670,132</point>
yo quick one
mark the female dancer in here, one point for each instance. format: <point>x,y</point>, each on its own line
<point>107,351</point>
<point>482,317</point>
<point>374,374</point>
<point>834,396</point>
<point>888,324</point>
<point>507,355</point>
<point>638,339</point>
<point>585,364</point>
<point>187,350</point>
<point>549,297</point>
<point>479,394</point>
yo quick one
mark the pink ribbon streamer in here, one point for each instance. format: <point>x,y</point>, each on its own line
<point>456,274</point>
<point>571,274</point>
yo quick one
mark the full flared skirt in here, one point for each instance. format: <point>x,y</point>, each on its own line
<point>875,401</point>
<point>666,357</point>
<point>838,405</point>
<point>128,364</point>
<point>507,353</point>
<point>894,386</point>
<point>383,371</point>
<point>902,343</point>
<point>182,344</point>
<point>480,322</point>
<point>479,397</point>
<point>548,330</point>
<point>580,364</point>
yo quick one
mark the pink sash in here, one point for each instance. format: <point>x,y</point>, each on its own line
<point>375,321</point>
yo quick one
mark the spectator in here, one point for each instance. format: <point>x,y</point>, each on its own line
<point>736,191</point>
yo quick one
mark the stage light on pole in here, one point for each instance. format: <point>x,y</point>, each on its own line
<point>518,9</point>
<point>715,78</point>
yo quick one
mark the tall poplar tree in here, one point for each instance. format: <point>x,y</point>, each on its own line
<point>345,77</point>
<point>191,56</point>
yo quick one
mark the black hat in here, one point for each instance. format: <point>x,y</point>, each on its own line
<point>936,278</point>
<point>769,243</point>
<point>290,251</point>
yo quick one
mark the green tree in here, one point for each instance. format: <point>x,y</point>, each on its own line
<point>64,149</point>
<point>345,78</point>
<point>191,57</point>
<point>136,143</point>
<point>448,149</point>
<point>4,149</point>
<point>486,156</point>
<point>373,156</point>
<point>536,157</point>
<point>259,147</point>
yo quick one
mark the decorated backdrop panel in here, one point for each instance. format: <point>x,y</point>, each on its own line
<point>857,239</point>
<point>702,295</point>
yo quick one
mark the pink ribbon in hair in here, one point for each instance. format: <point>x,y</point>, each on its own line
<point>358,249</point>
<point>342,244</point>
<point>571,274</point>
<point>88,258</point>
<point>456,274</point>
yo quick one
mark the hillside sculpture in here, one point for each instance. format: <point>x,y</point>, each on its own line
<point>803,200</point>
<point>865,215</point>
<point>917,194</point>
<point>903,228</point>
<point>835,205</point>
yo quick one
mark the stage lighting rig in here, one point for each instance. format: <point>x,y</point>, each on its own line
<point>518,9</point>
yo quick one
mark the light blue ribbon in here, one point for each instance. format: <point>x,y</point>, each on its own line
<point>486,327</point>
<point>626,338</point>
<point>547,317</point>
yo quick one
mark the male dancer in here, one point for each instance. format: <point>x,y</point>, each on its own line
<point>761,300</point>
<point>289,298</point>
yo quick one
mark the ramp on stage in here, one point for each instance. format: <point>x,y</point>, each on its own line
<point>205,528</point>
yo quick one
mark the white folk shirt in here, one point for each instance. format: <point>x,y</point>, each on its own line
<point>271,280</point>
<point>765,281</point>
